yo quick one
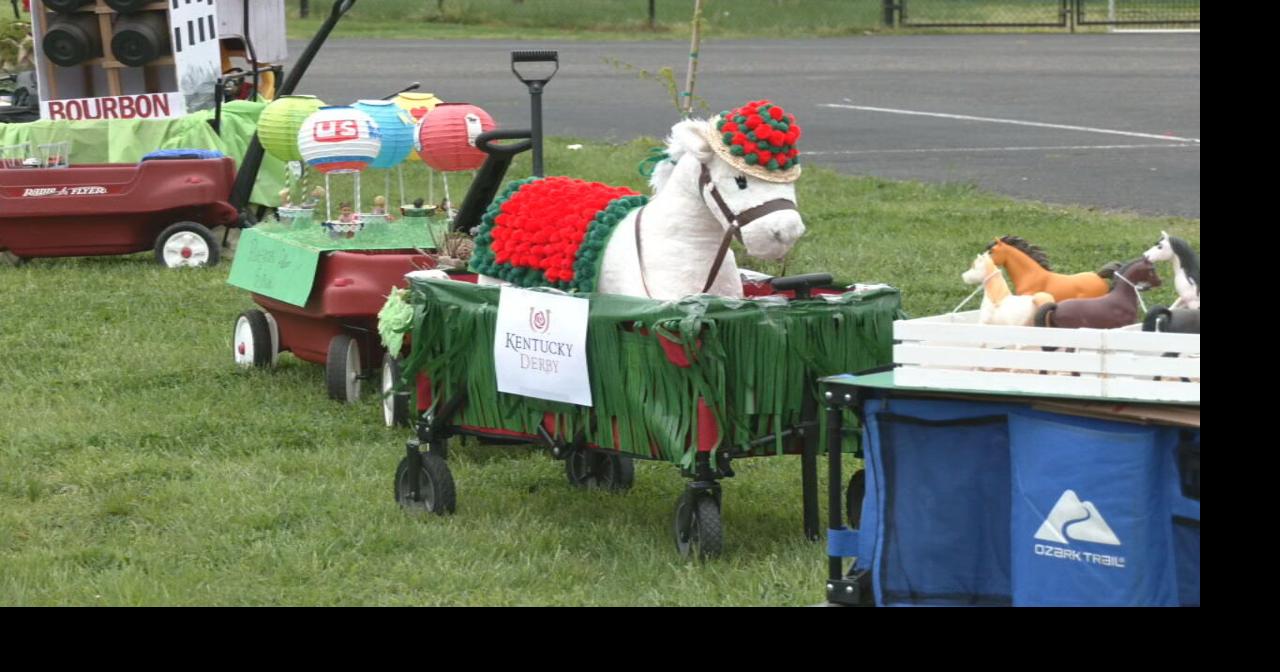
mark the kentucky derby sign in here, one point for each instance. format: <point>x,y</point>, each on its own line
<point>540,346</point>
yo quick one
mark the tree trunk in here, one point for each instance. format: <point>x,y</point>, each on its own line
<point>691,76</point>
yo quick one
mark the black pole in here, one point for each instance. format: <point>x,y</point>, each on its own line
<point>252,162</point>
<point>888,12</point>
<point>304,9</point>
<point>535,120</point>
<point>653,18</point>
<point>535,96</point>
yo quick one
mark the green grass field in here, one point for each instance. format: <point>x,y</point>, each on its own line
<point>138,466</point>
<point>628,19</point>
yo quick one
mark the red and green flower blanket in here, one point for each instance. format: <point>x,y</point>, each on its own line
<point>551,232</point>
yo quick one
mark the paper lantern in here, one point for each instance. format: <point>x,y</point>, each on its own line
<point>447,136</point>
<point>417,105</point>
<point>279,123</point>
<point>397,130</point>
<point>339,139</point>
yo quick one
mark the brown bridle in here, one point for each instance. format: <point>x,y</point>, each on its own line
<point>735,221</point>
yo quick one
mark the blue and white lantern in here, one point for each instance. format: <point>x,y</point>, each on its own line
<point>396,127</point>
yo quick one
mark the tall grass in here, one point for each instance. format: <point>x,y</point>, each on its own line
<point>139,466</point>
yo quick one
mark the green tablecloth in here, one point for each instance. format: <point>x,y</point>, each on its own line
<point>753,361</point>
<point>128,140</point>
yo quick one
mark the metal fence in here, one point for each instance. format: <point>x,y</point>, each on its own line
<point>983,13</point>
<point>1041,13</point>
<point>1137,12</point>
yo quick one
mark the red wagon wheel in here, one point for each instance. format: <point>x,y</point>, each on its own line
<point>395,405</point>
<point>342,370</point>
<point>255,341</point>
<point>186,244</point>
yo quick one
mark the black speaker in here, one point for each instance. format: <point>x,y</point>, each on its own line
<point>72,39</point>
<point>140,38</point>
<point>66,5</point>
<point>126,6</point>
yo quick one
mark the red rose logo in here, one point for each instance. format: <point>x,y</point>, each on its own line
<point>539,320</point>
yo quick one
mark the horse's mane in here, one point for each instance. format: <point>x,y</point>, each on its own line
<point>1037,255</point>
<point>662,171</point>
<point>1187,257</point>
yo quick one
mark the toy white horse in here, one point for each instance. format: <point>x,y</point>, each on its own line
<point>732,176</point>
<point>1186,268</point>
<point>999,305</point>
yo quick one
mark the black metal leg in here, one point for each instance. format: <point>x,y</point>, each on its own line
<point>809,469</point>
<point>835,565</point>
<point>415,470</point>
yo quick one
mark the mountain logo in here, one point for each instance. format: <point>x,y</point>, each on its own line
<point>1072,519</point>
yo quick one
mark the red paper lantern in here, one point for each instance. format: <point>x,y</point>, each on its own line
<point>447,135</point>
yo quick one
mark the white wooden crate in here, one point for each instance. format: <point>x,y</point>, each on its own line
<point>953,351</point>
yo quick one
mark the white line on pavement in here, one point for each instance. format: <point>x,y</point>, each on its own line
<point>1016,122</point>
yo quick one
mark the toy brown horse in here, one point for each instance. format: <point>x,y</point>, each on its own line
<point>1117,309</point>
<point>1030,272</point>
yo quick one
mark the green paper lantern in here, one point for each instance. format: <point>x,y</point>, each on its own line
<point>279,123</point>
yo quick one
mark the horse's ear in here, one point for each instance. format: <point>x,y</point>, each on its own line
<point>691,135</point>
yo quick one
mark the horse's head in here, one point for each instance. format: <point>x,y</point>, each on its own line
<point>1141,273</point>
<point>754,196</point>
<point>980,270</point>
<point>1161,251</point>
<point>1017,254</point>
<point>997,251</point>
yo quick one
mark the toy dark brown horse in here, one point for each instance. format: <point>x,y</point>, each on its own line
<point>1117,308</point>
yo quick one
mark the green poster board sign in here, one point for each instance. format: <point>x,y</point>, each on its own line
<point>268,266</point>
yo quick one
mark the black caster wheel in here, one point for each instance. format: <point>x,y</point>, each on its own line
<point>435,486</point>
<point>698,531</point>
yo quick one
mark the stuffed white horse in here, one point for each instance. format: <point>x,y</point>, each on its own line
<point>731,176</point>
<point>999,305</point>
<point>1186,268</point>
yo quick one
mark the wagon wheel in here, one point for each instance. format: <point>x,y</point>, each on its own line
<point>254,341</point>
<point>853,499</point>
<point>186,244</point>
<point>395,407</point>
<point>697,527</point>
<point>593,469</point>
<point>342,369</point>
<point>436,493</point>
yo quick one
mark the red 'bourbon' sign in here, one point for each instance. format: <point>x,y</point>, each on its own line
<point>141,106</point>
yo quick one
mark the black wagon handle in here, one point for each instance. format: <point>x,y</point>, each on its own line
<point>484,141</point>
<point>535,56</point>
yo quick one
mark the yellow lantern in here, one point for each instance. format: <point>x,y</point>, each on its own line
<point>417,105</point>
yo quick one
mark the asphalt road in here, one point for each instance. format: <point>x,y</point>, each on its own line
<point>1109,121</point>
